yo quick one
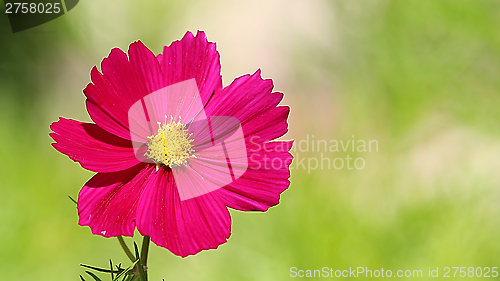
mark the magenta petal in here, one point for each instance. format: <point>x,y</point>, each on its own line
<point>250,99</point>
<point>114,91</point>
<point>180,100</point>
<point>246,98</point>
<point>266,178</point>
<point>193,57</point>
<point>183,227</point>
<point>221,157</point>
<point>200,178</point>
<point>107,122</point>
<point>108,202</point>
<point>94,148</point>
<point>218,162</point>
<point>121,84</point>
<point>269,126</point>
<point>147,68</point>
<point>125,81</point>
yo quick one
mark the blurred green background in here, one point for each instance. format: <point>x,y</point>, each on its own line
<point>420,77</point>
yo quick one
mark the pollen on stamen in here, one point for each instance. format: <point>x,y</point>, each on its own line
<point>171,146</point>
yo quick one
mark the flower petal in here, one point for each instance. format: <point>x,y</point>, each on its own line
<point>107,122</point>
<point>193,57</point>
<point>266,178</point>
<point>184,227</point>
<point>268,126</point>
<point>113,91</point>
<point>147,68</point>
<point>125,80</point>
<point>200,178</point>
<point>122,83</point>
<point>180,101</point>
<point>93,147</point>
<point>107,203</point>
<point>221,156</point>
<point>250,99</point>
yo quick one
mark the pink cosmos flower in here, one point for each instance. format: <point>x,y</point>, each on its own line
<point>173,149</point>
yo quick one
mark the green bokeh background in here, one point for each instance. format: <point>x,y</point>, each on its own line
<point>420,77</point>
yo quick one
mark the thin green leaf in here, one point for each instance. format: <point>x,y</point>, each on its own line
<point>112,271</point>
<point>136,251</point>
<point>125,271</point>
<point>74,201</point>
<point>93,276</point>
<point>99,269</point>
<point>81,278</point>
<point>140,266</point>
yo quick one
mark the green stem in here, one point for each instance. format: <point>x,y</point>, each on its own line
<point>144,256</point>
<point>126,249</point>
<point>145,250</point>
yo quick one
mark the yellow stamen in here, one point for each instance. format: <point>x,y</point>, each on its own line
<point>171,146</point>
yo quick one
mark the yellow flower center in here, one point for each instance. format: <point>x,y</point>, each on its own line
<point>171,146</point>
